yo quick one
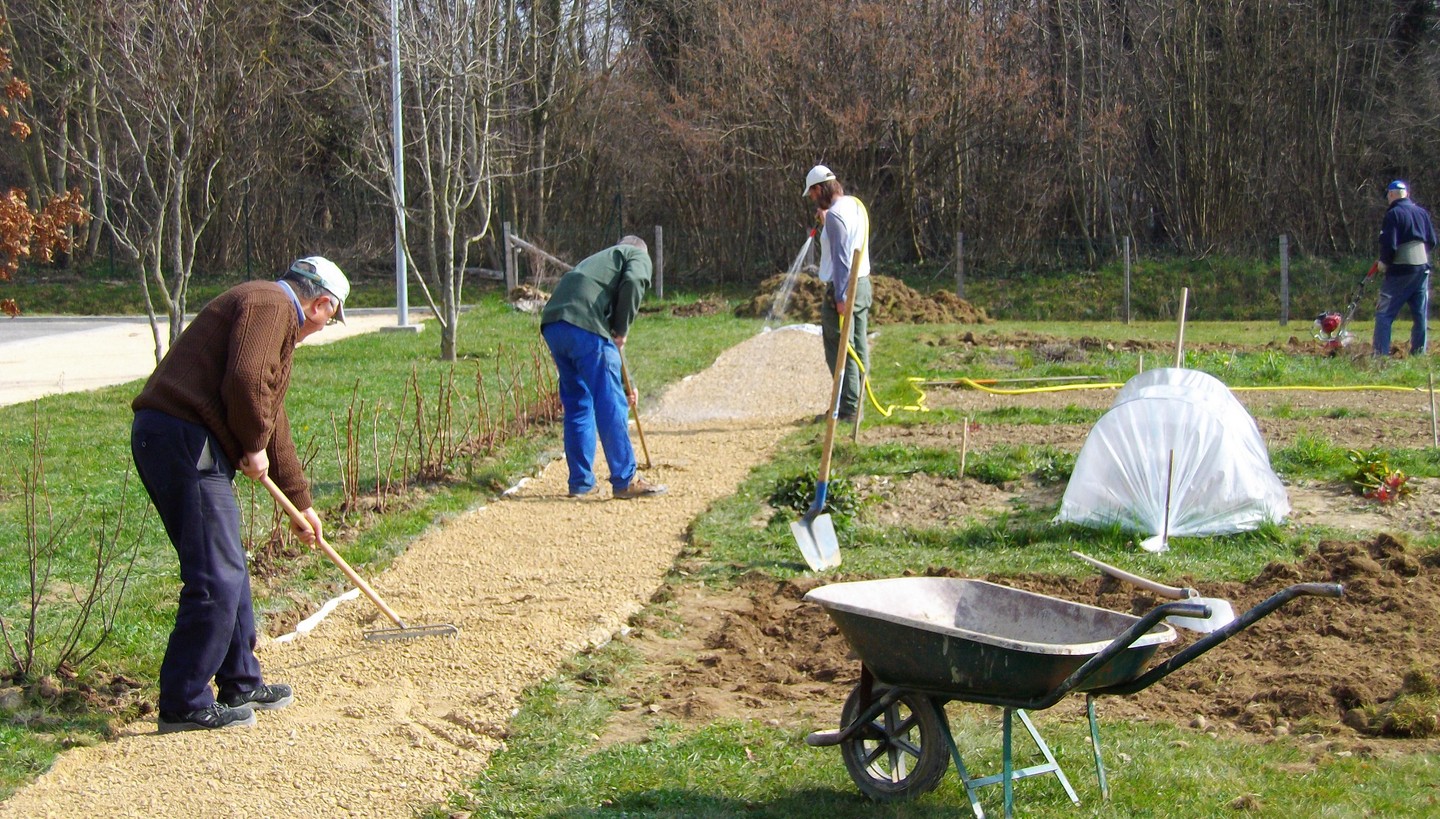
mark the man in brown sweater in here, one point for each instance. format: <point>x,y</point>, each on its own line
<point>215,404</point>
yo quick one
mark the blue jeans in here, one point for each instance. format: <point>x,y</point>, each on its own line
<point>1396,291</point>
<point>189,479</point>
<point>594,402</point>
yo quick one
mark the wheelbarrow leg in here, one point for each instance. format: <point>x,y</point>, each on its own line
<point>1095,747</point>
<point>1050,766</point>
<point>1007,766</point>
<point>971,790</point>
<point>1008,773</point>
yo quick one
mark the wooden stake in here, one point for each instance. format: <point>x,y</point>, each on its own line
<point>1180,339</point>
<point>1434,436</point>
<point>1169,482</point>
<point>964,445</point>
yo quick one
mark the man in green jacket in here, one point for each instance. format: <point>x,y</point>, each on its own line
<point>585,324</point>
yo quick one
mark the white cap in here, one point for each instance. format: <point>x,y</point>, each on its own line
<point>325,273</point>
<point>817,174</point>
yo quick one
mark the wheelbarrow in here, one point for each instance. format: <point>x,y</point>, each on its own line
<point>927,641</point>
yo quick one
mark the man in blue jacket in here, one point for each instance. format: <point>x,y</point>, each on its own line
<point>585,324</point>
<point>1406,240</point>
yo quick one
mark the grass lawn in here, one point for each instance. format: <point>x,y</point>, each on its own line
<point>554,763</point>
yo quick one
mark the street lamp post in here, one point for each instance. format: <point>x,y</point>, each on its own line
<point>402,296</point>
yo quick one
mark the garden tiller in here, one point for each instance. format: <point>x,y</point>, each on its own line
<point>1330,327</point>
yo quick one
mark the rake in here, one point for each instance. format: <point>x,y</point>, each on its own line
<point>402,631</point>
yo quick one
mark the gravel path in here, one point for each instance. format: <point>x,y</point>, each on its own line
<point>381,729</point>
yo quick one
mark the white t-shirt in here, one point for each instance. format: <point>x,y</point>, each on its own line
<point>847,227</point>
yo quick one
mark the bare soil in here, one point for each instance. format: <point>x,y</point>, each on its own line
<point>1325,671</point>
<point>1309,670</point>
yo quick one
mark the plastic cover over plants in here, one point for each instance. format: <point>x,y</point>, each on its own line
<point>1180,433</point>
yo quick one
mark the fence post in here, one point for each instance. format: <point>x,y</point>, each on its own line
<point>1284,279</point>
<point>509,250</point>
<point>960,264</point>
<point>1126,305</point>
<point>659,262</point>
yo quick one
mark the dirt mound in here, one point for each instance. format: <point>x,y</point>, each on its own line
<point>706,306</point>
<point>527,298</point>
<point>758,651</point>
<point>895,302</point>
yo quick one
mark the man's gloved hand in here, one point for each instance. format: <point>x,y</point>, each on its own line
<point>1380,266</point>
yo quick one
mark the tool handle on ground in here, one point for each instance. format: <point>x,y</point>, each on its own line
<point>1161,589</point>
<point>635,410</point>
<point>299,518</point>
<point>842,351</point>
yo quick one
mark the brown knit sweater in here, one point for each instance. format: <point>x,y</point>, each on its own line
<point>229,371</point>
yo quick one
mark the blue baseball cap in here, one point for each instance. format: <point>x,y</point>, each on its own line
<point>1397,185</point>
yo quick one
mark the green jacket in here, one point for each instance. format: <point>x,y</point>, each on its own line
<point>602,294</point>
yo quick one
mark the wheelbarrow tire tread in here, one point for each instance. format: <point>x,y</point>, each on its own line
<point>911,731</point>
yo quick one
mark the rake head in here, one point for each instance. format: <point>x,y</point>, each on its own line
<point>411,632</point>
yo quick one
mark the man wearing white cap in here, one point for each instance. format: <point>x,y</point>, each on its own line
<point>845,228</point>
<point>1407,238</point>
<point>215,405</point>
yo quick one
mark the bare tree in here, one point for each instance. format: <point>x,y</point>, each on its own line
<point>179,89</point>
<point>456,81</point>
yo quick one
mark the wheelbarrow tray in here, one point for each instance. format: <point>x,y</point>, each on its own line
<point>971,639</point>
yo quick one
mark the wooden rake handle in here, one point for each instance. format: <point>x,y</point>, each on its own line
<point>334,556</point>
<point>842,357</point>
<point>635,410</point>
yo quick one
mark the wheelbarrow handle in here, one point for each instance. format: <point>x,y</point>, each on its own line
<point>1263,608</point>
<point>1116,646</point>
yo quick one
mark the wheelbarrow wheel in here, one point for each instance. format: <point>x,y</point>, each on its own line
<point>901,754</point>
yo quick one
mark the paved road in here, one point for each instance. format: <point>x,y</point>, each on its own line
<point>47,355</point>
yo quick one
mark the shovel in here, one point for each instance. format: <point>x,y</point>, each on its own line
<point>1221,614</point>
<point>815,532</point>
<point>402,632</point>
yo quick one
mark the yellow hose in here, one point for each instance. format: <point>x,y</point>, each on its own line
<point>919,405</point>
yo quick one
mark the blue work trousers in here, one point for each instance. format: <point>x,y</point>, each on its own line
<point>595,404</point>
<point>1397,290</point>
<point>190,481</point>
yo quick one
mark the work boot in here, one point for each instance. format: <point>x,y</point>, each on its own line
<point>638,488</point>
<point>266,697</point>
<point>218,715</point>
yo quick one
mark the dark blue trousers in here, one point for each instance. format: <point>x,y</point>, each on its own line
<point>1403,285</point>
<point>190,481</point>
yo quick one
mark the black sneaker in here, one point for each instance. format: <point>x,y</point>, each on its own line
<point>266,697</point>
<point>218,715</point>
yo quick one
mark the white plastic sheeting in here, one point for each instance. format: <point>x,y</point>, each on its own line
<point>1221,481</point>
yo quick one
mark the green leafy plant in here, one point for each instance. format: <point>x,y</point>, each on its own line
<point>1053,466</point>
<point>798,491</point>
<point>1374,478</point>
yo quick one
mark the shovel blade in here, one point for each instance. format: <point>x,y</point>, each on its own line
<point>817,541</point>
